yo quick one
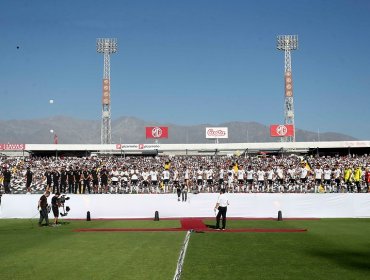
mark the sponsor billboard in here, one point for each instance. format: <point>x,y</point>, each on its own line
<point>12,147</point>
<point>217,132</point>
<point>133,147</point>
<point>281,130</point>
<point>156,132</point>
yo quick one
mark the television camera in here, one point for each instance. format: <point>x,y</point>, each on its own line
<point>61,202</point>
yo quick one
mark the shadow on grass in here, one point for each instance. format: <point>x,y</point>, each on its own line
<point>210,226</point>
<point>63,223</point>
<point>345,258</point>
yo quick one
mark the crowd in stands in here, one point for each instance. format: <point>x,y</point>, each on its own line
<point>167,174</point>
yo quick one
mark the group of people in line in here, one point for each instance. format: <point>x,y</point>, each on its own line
<point>182,174</point>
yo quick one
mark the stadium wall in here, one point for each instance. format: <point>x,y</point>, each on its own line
<point>111,206</point>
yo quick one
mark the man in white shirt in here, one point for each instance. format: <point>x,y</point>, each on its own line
<point>209,178</point>
<point>280,178</point>
<point>261,180</point>
<point>250,178</point>
<point>221,174</point>
<point>303,177</point>
<point>230,179</point>
<point>124,179</point>
<point>134,173</point>
<point>337,173</point>
<point>154,179</point>
<point>327,178</point>
<point>200,177</point>
<point>291,172</point>
<point>270,179</point>
<point>240,176</point>
<point>145,176</point>
<point>221,206</point>
<point>115,174</point>
<point>166,179</point>
<point>318,177</point>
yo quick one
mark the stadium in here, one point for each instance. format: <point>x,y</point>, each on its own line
<point>275,233</point>
<point>151,210</point>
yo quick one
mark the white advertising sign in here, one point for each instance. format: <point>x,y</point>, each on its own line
<point>217,132</point>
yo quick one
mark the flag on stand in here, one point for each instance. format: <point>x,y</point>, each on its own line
<point>55,139</point>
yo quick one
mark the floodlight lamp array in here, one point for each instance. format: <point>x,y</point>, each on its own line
<point>106,45</point>
<point>287,42</point>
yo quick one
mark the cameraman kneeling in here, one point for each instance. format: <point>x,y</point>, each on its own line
<point>55,204</point>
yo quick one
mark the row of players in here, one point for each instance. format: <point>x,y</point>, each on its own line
<point>236,179</point>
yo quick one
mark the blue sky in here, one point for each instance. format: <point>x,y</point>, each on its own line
<point>188,62</point>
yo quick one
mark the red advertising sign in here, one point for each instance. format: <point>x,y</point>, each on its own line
<point>156,132</point>
<point>12,147</point>
<point>281,130</point>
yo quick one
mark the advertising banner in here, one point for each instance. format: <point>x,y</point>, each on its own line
<point>12,147</point>
<point>135,147</point>
<point>156,132</point>
<point>281,130</point>
<point>217,132</point>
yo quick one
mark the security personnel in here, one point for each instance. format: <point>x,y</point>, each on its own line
<point>221,206</point>
<point>42,207</point>
<point>29,177</point>
<point>7,175</point>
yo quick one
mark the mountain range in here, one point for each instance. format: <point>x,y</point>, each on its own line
<point>132,131</point>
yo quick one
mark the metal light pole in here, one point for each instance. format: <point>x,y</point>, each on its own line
<point>288,43</point>
<point>106,46</point>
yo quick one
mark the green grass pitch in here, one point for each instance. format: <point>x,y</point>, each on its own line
<point>330,249</point>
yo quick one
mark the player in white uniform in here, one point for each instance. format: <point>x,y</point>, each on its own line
<point>145,180</point>
<point>318,178</point>
<point>221,178</point>
<point>200,178</point>
<point>125,179</point>
<point>327,178</point>
<point>209,179</point>
<point>291,173</point>
<point>270,179</point>
<point>280,178</point>
<point>134,173</point>
<point>230,179</point>
<point>115,177</point>
<point>250,179</point>
<point>261,180</point>
<point>240,176</point>
<point>303,176</point>
<point>175,180</point>
<point>165,179</point>
<point>154,180</point>
<point>337,174</point>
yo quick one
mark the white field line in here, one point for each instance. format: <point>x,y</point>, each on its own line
<point>181,259</point>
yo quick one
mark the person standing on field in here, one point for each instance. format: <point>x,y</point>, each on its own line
<point>221,206</point>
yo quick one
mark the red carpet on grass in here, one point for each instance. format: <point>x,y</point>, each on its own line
<point>190,224</point>
<point>195,224</point>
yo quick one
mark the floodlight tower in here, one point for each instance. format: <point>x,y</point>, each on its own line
<point>106,46</point>
<point>288,43</point>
